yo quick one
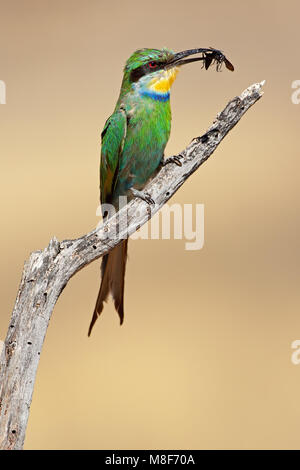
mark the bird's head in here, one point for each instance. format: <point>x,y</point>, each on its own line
<point>153,71</point>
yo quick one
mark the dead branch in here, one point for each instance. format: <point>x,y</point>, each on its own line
<point>47,272</point>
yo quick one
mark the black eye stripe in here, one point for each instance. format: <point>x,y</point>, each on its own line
<point>139,72</point>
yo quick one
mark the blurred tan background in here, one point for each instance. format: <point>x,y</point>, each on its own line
<point>203,360</point>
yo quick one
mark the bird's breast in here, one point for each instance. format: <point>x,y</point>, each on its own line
<point>147,134</point>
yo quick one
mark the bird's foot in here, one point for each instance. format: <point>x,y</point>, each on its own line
<point>175,159</point>
<point>142,195</point>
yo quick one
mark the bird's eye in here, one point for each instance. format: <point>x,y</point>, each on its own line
<point>152,64</point>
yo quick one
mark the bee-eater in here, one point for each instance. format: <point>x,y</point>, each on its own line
<point>133,142</point>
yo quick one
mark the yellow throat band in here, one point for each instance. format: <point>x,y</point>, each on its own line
<point>164,81</point>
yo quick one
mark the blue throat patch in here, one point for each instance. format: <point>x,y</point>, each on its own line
<point>155,95</point>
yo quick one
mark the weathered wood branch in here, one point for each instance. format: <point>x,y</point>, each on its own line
<point>47,272</point>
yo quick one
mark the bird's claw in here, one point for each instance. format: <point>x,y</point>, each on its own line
<point>143,195</point>
<point>175,159</point>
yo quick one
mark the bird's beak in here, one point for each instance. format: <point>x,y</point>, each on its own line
<point>207,56</point>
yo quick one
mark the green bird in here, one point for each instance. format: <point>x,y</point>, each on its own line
<point>133,143</point>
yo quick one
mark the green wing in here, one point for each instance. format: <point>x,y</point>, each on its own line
<point>113,137</point>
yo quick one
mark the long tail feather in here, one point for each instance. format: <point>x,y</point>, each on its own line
<point>113,276</point>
